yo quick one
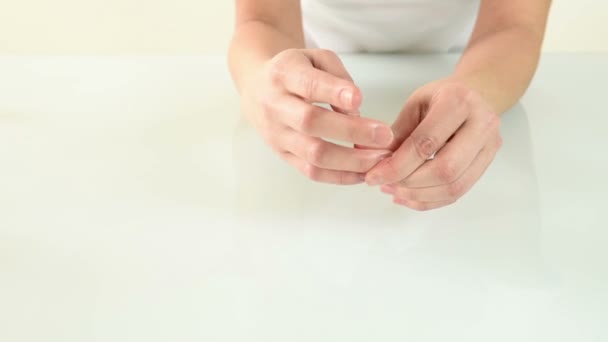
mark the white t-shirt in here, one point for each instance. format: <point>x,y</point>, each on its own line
<point>389,25</point>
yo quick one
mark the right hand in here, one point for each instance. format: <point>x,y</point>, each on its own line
<point>279,102</point>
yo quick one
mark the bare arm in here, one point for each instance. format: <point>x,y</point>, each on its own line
<point>263,29</point>
<point>280,81</point>
<point>456,119</point>
<point>503,52</point>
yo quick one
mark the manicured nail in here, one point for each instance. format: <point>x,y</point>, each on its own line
<point>382,135</point>
<point>373,179</point>
<point>346,96</point>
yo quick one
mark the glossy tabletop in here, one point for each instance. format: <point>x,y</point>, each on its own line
<point>136,206</point>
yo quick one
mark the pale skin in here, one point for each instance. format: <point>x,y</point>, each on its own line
<point>456,118</point>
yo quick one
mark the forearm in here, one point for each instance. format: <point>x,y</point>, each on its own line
<point>255,42</point>
<point>500,65</point>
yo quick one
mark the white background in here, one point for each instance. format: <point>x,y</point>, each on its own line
<point>204,26</point>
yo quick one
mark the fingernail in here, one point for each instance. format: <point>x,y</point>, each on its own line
<point>384,156</point>
<point>346,96</point>
<point>388,189</point>
<point>382,135</point>
<point>401,201</point>
<point>380,155</point>
<point>373,179</point>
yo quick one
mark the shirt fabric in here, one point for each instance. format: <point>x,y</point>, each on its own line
<point>389,25</point>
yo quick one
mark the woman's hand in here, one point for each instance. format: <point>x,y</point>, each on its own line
<point>445,138</point>
<point>279,102</point>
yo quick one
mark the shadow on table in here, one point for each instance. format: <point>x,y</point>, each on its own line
<point>497,224</point>
<point>337,246</point>
<point>268,187</point>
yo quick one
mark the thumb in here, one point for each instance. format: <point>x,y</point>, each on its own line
<point>408,119</point>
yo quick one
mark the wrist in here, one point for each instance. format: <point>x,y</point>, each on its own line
<point>492,93</point>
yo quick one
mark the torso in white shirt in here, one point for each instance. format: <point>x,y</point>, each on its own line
<point>389,25</point>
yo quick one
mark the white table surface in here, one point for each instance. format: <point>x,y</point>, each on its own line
<point>135,207</point>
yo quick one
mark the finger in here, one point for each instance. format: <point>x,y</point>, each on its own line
<point>323,175</point>
<point>317,121</point>
<point>329,61</point>
<point>421,206</point>
<point>444,118</point>
<point>411,115</point>
<point>326,155</point>
<point>447,192</point>
<point>456,156</point>
<point>406,122</point>
<point>316,85</point>
<point>344,111</point>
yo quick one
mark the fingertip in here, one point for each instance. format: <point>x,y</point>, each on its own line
<point>381,174</point>
<point>402,202</point>
<point>388,189</point>
<point>383,135</point>
<point>374,177</point>
<point>351,98</point>
<point>357,98</point>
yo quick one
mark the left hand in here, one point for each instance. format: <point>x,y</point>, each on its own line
<point>452,122</point>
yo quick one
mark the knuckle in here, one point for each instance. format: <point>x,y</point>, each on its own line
<point>493,121</point>
<point>409,194</point>
<point>277,145</point>
<point>404,183</point>
<point>286,55</point>
<point>275,73</point>
<point>446,171</point>
<point>437,95</point>
<point>456,189</point>
<point>362,165</point>
<point>278,65</point>
<point>307,84</point>
<point>461,91</point>
<point>267,105</point>
<point>425,146</point>
<point>290,51</point>
<point>316,153</point>
<point>499,142</point>
<point>312,172</point>
<point>461,94</point>
<point>468,95</point>
<point>365,164</point>
<point>420,206</point>
<point>307,119</point>
<point>326,54</point>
